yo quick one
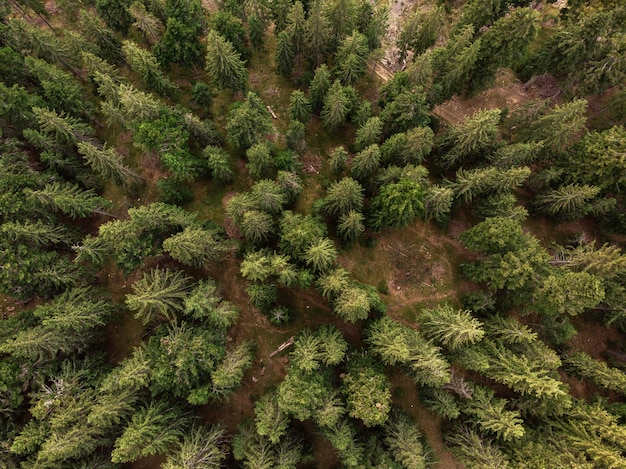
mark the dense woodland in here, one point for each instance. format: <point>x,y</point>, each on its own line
<point>186,185</point>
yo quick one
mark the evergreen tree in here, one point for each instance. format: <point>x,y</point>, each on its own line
<point>403,438</point>
<point>352,303</point>
<point>351,58</point>
<point>476,134</point>
<point>181,43</point>
<point>154,429</point>
<point>229,372</point>
<point>350,225</point>
<point>557,128</point>
<point>420,31</point>
<point>451,327</point>
<point>317,34</point>
<point>369,133</point>
<point>256,31</point>
<point>145,64</point>
<point>195,246</point>
<point>438,203</point>
<point>365,162</point>
<point>202,447</point>
<point>248,122</point>
<point>106,162</point>
<point>336,105</point>
<point>296,29</point>
<point>571,201</point>
<point>285,54</point>
<point>299,107</point>
<point>224,64</point>
<point>68,198</point>
<point>160,292</point>
<point>150,26</point>
<point>320,85</point>
<point>397,204</point>
<point>368,393</point>
<point>269,420</point>
<point>342,197</point>
<point>218,162</point>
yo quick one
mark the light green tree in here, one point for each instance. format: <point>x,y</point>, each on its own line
<point>160,292</point>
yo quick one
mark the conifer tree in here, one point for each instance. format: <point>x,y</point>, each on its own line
<point>224,64</point>
<point>285,54</point>
<point>160,292</point>
<point>336,106</point>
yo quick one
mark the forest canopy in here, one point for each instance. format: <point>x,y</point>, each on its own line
<point>322,233</point>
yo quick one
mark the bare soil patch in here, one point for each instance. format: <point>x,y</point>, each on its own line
<point>416,264</point>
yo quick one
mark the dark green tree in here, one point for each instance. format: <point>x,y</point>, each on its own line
<point>397,204</point>
<point>248,122</point>
<point>224,64</point>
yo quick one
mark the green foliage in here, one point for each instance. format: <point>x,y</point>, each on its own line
<point>298,232</point>
<point>365,162</point>
<point>306,353</point>
<point>261,162</point>
<point>229,372</point>
<point>490,414</point>
<point>68,199</point>
<point>368,393</point>
<point>407,110</point>
<point>597,371</point>
<point>154,429</point>
<point>403,438</point>
<point>397,204</point>
<point>160,292</point>
<point>478,133</point>
<point>269,419</point>
<point>569,293</point>
<point>180,43</point>
<point>598,159</point>
<point>352,304</point>
<point>285,54</point>
<point>336,105</point>
<point>115,13</point>
<point>343,437</point>
<point>248,122</point>
<point>399,345</point>
<point>342,197</point>
<point>438,203</point>
<point>301,394</point>
<point>476,452</point>
<point>558,128</point>
<point>201,447</point>
<point>145,64</point>
<point>451,327</point>
<point>182,358</point>
<point>224,64</point>
<point>571,201</point>
<point>150,26</point>
<point>195,246</point>
<point>320,85</point>
<point>420,31</point>
<point>369,133</point>
<point>351,58</point>
<point>321,255</point>
<point>218,162</point>
<point>106,162</point>
<point>350,225</point>
<point>299,107</point>
<point>317,34</point>
<point>504,44</point>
